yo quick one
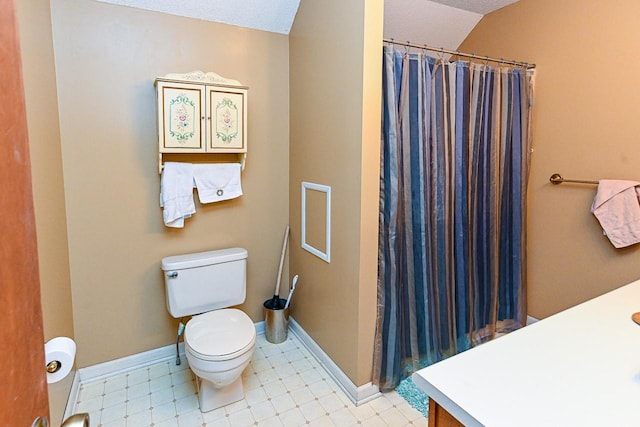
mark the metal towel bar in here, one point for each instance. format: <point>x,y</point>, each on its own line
<point>556,178</point>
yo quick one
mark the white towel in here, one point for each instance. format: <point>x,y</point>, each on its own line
<point>217,181</point>
<point>617,208</point>
<point>176,193</point>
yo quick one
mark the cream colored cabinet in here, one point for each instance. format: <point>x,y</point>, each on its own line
<point>201,113</point>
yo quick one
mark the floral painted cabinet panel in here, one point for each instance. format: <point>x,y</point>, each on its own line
<point>181,117</point>
<point>196,117</point>
<point>227,124</point>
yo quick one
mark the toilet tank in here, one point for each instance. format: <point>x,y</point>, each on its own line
<point>205,281</point>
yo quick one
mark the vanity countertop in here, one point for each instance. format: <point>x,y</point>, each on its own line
<point>580,367</point>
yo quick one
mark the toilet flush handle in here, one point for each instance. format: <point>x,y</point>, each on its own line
<point>172,274</point>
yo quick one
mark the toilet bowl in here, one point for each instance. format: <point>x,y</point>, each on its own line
<point>219,341</point>
<point>219,345</point>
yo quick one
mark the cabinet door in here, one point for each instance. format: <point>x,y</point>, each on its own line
<point>226,119</point>
<point>181,117</point>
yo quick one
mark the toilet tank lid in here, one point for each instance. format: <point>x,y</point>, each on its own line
<point>198,259</point>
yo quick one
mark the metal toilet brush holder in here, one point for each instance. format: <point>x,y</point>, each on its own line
<point>276,321</point>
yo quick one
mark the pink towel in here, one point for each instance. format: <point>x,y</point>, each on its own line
<point>617,207</point>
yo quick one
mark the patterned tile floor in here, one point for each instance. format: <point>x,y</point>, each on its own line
<point>284,386</point>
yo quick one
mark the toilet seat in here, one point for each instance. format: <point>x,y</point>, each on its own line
<point>220,334</point>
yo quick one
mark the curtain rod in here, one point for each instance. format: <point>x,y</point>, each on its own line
<point>458,53</point>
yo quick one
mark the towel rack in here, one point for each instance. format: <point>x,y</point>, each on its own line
<point>556,179</point>
<point>242,159</point>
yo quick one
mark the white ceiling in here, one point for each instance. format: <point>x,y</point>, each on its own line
<point>437,23</point>
<point>269,15</point>
<point>428,23</point>
<point>478,6</point>
<point>440,23</point>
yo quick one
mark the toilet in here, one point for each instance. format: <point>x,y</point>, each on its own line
<point>219,341</point>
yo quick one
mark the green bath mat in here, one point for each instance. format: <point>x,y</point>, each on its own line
<point>414,395</point>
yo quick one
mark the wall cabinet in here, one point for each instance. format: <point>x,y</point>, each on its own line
<point>201,113</point>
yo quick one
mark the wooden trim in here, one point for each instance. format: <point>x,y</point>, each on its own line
<point>439,417</point>
<point>23,395</point>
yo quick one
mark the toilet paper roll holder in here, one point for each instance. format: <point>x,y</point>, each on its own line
<point>54,366</point>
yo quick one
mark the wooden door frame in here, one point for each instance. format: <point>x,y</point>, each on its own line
<point>23,393</point>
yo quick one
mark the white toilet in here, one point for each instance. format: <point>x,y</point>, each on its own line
<point>219,341</point>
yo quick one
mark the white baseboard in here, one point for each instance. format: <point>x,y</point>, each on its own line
<point>114,367</point>
<point>74,393</point>
<point>358,395</point>
<point>260,327</point>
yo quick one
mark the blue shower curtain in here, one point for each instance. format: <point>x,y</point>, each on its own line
<point>454,169</point>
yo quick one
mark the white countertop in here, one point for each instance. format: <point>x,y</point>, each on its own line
<point>580,367</point>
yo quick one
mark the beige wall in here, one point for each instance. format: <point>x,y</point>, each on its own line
<point>335,125</point>
<point>48,188</point>
<point>46,160</point>
<point>106,60</point>
<point>585,127</point>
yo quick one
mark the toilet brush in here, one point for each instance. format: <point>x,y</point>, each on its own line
<point>293,288</point>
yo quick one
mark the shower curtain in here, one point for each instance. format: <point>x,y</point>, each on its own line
<point>454,170</point>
